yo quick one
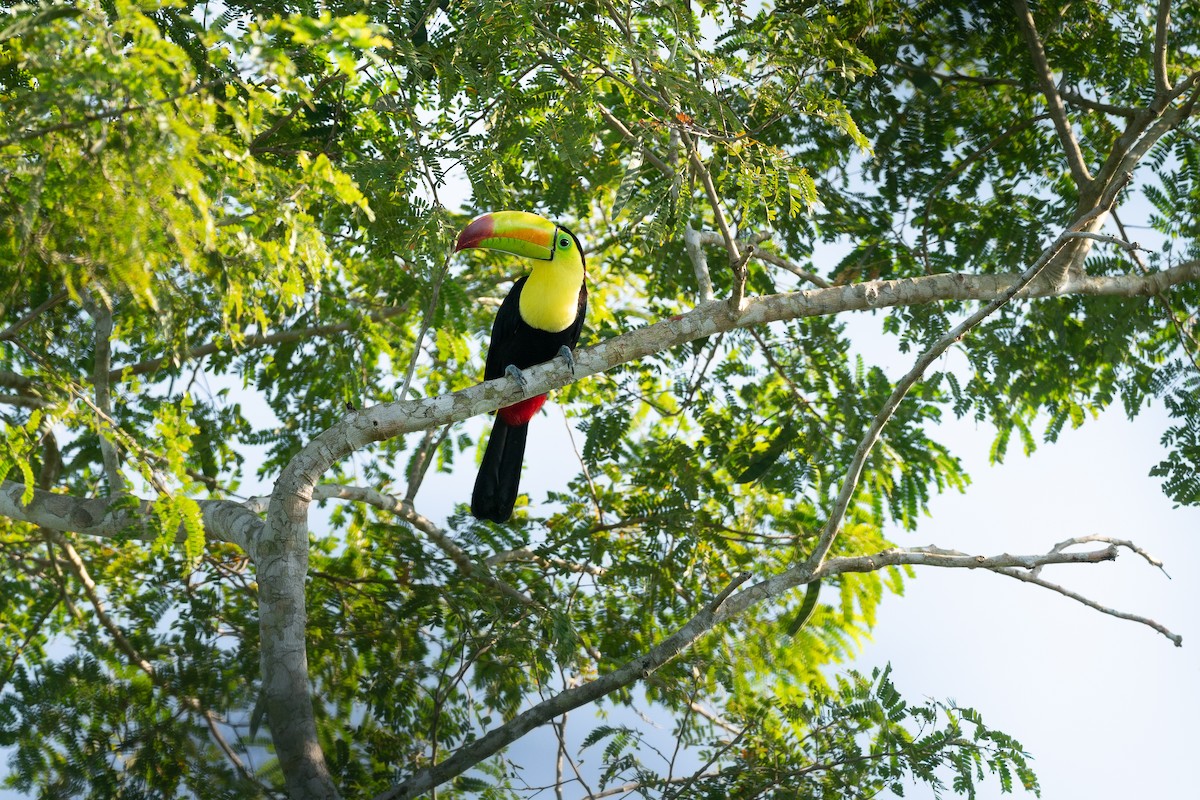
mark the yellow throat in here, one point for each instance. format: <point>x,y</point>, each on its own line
<point>550,299</point>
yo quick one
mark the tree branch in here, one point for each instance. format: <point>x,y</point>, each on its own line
<point>101,314</point>
<point>10,333</point>
<point>24,401</point>
<point>113,518</point>
<point>1151,560</point>
<point>736,261</point>
<point>546,562</point>
<point>93,595</point>
<point>711,237</point>
<point>1034,578</point>
<point>1162,82</point>
<point>707,618</point>
<point>693,246</point>
<point>100,116</point>
<point>1041,67</point>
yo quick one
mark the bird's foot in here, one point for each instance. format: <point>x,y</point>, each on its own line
<point>568,356</point>
<point>514,372</point>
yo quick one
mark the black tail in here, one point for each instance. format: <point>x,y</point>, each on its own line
<point>496,487</point>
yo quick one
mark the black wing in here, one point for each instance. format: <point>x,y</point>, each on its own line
<point>505,330</point>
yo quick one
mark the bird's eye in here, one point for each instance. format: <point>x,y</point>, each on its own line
<point>564,243</point>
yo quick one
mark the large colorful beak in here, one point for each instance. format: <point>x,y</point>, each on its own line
<point>517,232</point>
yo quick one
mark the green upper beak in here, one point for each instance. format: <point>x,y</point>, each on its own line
<point>517,232</point>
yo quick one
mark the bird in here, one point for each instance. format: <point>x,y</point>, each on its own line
<point>540,319</point>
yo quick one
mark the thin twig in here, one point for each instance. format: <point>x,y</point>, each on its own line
<point>736,260</point>
<point>11,331</point>
<point>587,474</point>
<point>712,237</point>
<point>1127,544</point>
<point>75,562</point>
<point>100,116</point>
<point>426,324</point>
<point>249,343</point>
<point>1182,335</point>
<point>430,442</point>
<point>958,169</point>
<point>1030,577</point>
<point>525,554</point>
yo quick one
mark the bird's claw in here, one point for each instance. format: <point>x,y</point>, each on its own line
<point>514,372</point>
<point>568,356</point>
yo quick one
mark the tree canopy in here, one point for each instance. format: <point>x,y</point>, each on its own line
<point>226,238</point>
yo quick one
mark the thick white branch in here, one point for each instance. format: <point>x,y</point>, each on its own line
<point>112,517</point>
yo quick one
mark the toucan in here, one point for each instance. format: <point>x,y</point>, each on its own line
<point>541,318</point>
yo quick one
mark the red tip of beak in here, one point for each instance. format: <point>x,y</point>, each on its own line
<point>480,228</point>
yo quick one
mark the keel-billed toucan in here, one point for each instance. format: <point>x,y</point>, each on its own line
<point>540,318</point>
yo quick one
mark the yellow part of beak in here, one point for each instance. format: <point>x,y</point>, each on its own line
<point>517,232</point>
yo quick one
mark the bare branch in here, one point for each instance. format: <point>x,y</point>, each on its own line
<point>102,316</point>
<point>1058,113</point>
<point>1122,242</point>
<point>112,517</point>
<point>1154,562</point>
<point>715,718</point>
<point>1162,82</point>
<point>692,244</point>
<point>1032,577</point>
<point>710,615</point>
